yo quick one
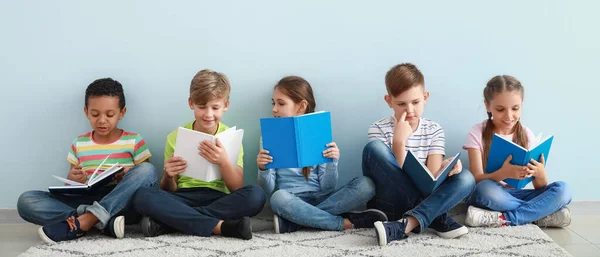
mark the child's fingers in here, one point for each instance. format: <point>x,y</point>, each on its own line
<point>332,144</point>
<point>403,116</point>
<point>534,162</point>
<point>263,151</point>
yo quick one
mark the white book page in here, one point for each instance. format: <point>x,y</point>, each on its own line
<point>68,181</point>
<point>93,176</point>
<point>446,167</point>
<point>539,139</point>
<point>232,142</point>
<point>186,147</point>
<point>105,173</point>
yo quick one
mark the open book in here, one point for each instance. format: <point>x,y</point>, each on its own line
<point>422,176</point>
<point>501,148</point>
<point>199,168</point>
<point>296,142</point>
<point>95,181</point>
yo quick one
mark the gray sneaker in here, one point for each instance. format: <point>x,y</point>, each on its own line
<point>558,219</point>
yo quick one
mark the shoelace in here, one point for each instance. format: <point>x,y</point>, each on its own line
<point>71,222</point>
<point>492,219</point>
<point>395,230</point>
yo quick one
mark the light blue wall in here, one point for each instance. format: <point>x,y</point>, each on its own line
<point>51,50</point>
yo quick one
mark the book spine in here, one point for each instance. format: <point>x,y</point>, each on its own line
<point>297,140</point>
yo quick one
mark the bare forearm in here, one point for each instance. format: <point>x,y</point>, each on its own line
<point>233,178</point>
<point>495,176</point>
<point>399,150</point>
<point>168,184</point>
<point>540,182</point>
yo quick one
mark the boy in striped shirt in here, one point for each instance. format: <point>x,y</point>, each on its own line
<point>68,216</point>
<point>396,194</point>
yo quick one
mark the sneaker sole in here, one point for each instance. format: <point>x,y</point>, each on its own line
<point>453,233</point>
<point>119,227</point>
<point>276,223</point>
<point>380,233</point>
<point>44,237</point>
<point>372,210</point>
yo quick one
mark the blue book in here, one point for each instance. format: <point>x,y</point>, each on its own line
<point>501,148</point>
<point>296,142</point>
<point>422,176</point>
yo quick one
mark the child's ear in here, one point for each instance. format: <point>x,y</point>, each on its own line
<point>388,100</point>
<point>85,111</point>
<point>122,113</point>
<point>426,96</point>
<point>190,103</point>
<point>487,106</point>
<point>226,106</point>
<point>302,107</point>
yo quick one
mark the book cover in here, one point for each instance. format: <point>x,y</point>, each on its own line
<point>422,176</point>
<point>296,142</point>
<point>501,148</point>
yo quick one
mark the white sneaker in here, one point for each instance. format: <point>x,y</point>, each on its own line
<point>558,219</point>
<point>477,217</point>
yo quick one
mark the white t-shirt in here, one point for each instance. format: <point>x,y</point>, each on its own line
<point>428,139</point>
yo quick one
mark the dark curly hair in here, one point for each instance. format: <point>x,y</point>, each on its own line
<point>105,87</point>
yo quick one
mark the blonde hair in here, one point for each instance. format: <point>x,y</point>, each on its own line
<point>208,85</point>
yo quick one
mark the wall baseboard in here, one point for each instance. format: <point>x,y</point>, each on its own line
<point>8,216</point>
<point>11,216</point>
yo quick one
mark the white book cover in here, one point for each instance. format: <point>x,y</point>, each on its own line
<point>186,147</point>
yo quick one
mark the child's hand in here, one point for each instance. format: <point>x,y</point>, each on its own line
<point>214,154</point>
<point>402,129</point>
<point>263,159</point>
<point>513,171</point>
<point>333,152</point>
<point>119,176</point>
<point>174,166</point>
<point>76,174</point>
<point>536,168</point>
<point>457,167</point>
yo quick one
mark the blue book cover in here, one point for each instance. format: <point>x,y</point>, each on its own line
<point>501,148</point>
<point>296,142</point>
<point>422,177</point>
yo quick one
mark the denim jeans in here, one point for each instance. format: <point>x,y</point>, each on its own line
<point>196,211</point>
<point>41,207</point>
<point>398,196</point>
<point>521,206</point>
<point>322,209</point>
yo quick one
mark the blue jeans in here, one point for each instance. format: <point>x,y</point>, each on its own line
<point>321,209</point>
<point>521,206</point>
<point>42,208</point>
<point>196,211</point>
<point>398,196</point>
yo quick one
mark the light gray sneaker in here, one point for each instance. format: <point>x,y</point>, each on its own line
<point>477,217</point>
<point>558,219</point>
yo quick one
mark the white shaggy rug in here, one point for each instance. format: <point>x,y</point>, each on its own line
<point>523,241</point>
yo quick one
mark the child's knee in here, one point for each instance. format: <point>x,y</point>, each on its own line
<point>26,201</point>
<point>365,186</point>
<point>466,181</point>
<point>145,171</point>
<point>563,192</point>
<point>486,189</point>
<point>256,197</point>
<point>374,147</point>
<point>279,199</point>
